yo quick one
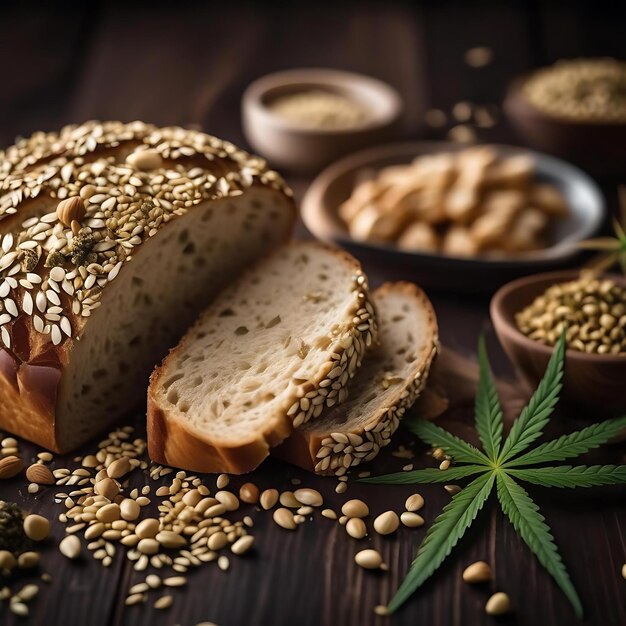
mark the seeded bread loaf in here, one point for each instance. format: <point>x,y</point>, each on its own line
<point>81,326</point>
<point>391,378</point>
<point>268,354</point>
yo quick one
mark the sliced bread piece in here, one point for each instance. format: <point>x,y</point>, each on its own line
<point>393,375</point>
<point>269,353</point>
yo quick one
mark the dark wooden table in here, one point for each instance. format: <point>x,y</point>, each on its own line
<point>175,63</point>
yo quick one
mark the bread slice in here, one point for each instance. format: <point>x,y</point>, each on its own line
<point>270,352</point>
<point>393,375</point>
<point>162,219</point>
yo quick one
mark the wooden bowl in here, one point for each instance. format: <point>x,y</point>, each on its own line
<point>303,149</point>
<point>599,148</point>
<point>437,271</point>
<point>594,384</point>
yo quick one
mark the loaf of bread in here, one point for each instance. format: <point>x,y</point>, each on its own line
<point>272,350</point>
<point>113,237</point>
<point>391,378</point>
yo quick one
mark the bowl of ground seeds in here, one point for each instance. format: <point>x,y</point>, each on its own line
<point>575,109</point>
<point>301,120</point>
<point>529,316</point>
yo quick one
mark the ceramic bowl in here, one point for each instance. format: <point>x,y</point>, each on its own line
<point>594,384</point>
<point>462,274</point>
<point>599,148</point>
<point>297,148</point>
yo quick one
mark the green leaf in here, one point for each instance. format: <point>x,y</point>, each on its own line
<point>488,409</point>
<point>457,448</point>
<point>531,527</point>
<point>443,535</point>
<point>532,420</point>
<point>429,475</point>
<point>571,445</point>
<point>572,476</point>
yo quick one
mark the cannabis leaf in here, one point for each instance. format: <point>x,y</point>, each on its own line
<point>530,526</point>
<point>444,534</point>
<point>488,410</point>
<point>536,414</point>
<point>503,465</point>
<point>612,249</point>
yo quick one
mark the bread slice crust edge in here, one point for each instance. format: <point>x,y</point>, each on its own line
<point>315,451</point>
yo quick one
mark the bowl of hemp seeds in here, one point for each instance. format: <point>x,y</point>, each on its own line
<point>575,109</point>
<point>301,120</point>
<point>529,316</point>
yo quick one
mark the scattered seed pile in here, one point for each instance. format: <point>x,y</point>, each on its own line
<point>194,525</point>
<point>592,309</point>
<point>583,90</point>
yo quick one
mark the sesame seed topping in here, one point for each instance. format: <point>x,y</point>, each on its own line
<point>97,206</point>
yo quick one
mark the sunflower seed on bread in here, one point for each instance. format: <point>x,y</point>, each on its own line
<point>392,376</point>
<point>270,352</point>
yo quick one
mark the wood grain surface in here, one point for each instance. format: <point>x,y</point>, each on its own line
<point>188,63</point>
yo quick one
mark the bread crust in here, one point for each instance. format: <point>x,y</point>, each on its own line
<point>305,446</point>
<point>37,327</point>
<point>172,442</point>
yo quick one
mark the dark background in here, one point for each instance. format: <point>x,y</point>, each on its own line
<point>188,64</point>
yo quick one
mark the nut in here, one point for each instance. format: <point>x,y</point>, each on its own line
<point>10,466</point>
<point>170,539</point>
<point>249,493</point>
<point>28,560</point>
<point>269,498</point>
<point>145,160</point>
<point>107,488</point>
<point>355,508</point>
<point>147,528</point>
<point>119,467</point>
<point>414,502</point>
<point>284,518</point>
<point>36,527</point>
<point>71,210</point>
<point>498,604</point>
<point>411,520</point>
<point>368,559</point>
<point>129,509</point>
<point>386,523</point>
<point>70,547</point>
<point>309,496</point>
<point>40,474</point>
<point>478,572</point>
<point>356,528</point>
<point>7,560</point>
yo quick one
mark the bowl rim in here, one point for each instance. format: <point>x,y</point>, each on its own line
<point>253,99</point>
<point>313,201</point>
<point>502,323</point>
<point>515,98</point>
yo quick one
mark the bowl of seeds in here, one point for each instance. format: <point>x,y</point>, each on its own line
<point>530,314</point>
<point>301,120</point>
<point>575,109</point>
